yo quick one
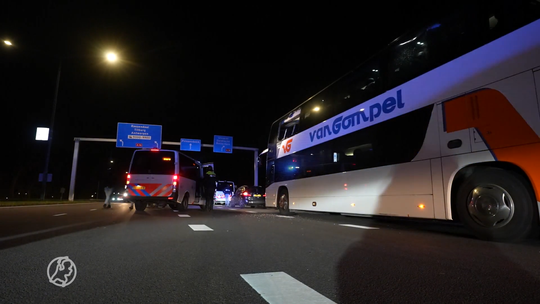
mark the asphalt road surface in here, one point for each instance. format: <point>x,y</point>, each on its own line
<point>251,256</point>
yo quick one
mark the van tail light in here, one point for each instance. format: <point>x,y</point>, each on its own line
<point>128,178</point>
<point>175,180</point>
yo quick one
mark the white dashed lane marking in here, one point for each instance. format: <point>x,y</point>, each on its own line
<point>358,226</point>
<point>184,215</point>
<point>279,287</point>
<point>200,228</point>
<point>60,214</point>
<point>285,216</point>
<point>93,209</point>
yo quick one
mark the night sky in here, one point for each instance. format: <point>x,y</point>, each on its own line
<point>197,71</point>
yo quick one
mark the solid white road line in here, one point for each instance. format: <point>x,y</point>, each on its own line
<point>60,214</point>
<point>285,216</point>
<point>184,215</point>
<point>357,226</point>
<point>200,228</point>
<point>279,287</point>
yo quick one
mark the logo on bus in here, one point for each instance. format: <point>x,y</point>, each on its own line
<point>287,146</point>
<point>342,122</point>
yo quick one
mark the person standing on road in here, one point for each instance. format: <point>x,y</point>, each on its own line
<point>228,192</point>
<point>209,189</point>
<point>108,188</point>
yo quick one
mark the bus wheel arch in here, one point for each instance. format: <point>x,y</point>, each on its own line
<point>282,202</point>
<point>499,192</point>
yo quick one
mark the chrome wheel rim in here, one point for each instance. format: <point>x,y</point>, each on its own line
<point>283,203</point>
<point>490,206</point>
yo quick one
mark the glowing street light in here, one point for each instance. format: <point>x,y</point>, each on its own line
<point>111,57</point>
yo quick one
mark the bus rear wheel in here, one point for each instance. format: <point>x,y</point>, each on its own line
<point>497,205</point>
<point>283,202</point>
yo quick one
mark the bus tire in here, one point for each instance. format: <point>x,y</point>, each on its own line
<point>497,205</point>
<point>184,204</point>
<point>140,205</point>
<point>283,202</point>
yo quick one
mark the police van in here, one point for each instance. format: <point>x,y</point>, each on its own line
<point>164,177</point>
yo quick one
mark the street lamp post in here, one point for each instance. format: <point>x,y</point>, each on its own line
<point>49,142</point>
<point>112,58</point>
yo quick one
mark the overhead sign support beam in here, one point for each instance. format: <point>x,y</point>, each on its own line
<point>170,143</point>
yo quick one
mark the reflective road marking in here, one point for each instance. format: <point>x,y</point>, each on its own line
<point>200,228</point>
<point>279,287</point>
<point>357,226</point>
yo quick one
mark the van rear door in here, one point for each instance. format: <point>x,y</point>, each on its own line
<point>152,173</point>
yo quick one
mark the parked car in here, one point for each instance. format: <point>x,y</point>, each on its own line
<point>253,196</point>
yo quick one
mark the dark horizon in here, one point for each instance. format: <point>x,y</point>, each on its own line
<point>196,73</point>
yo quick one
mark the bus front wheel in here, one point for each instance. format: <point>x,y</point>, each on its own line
<point>283,203</point>
<point>497,205</point>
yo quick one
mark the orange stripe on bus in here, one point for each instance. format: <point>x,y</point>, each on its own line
<point>507,134</point>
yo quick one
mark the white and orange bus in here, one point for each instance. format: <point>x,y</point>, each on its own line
<point>444,123</point>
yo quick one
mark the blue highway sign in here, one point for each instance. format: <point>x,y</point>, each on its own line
<point>187,144</point>
<point>133,135</point>
<point>223,144</point>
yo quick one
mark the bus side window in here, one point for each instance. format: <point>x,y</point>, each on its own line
<point>434,45</point>
<point>407,58</point>
<point>359,86</point>
<point>506,16</point>
<point>289,126</point>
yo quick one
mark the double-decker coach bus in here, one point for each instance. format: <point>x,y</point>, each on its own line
<point>443,123</point>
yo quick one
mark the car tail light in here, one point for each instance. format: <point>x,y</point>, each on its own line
<point>245,193</point>
<point>154,150</point>
<point>264,195</point>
